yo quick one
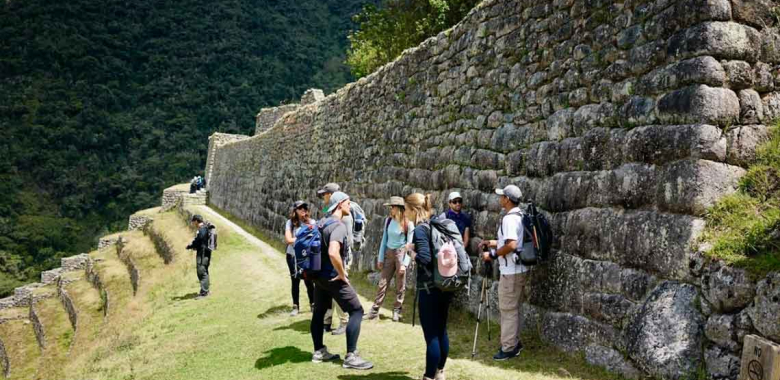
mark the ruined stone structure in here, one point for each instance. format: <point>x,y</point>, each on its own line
<point>624,120</point>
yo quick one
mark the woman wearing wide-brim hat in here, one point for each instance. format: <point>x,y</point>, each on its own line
<point>393,258</point>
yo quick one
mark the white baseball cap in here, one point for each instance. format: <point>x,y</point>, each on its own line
<point>454,195</point>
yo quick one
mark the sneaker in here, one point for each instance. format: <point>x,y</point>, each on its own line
<point>373,314</point>
<point>501,355</point>
<point>440,375</point>
<point>396,315</point>
<point>322,355</point>
<point>294,311</point>
<point>354,361</point>
<point>327,327</point>
<point>203,295</point>
<point>339,331</point>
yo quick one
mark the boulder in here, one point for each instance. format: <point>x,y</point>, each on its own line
<point>721,364</point>
<point>611,360</point>
<point>665,337</point>
<point>728,289</point>
<point>766,307</point>
<point>721,330</point>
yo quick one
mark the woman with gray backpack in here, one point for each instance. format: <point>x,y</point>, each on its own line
<point>442,268</point>
<point>393,258</point>
<point>299,215</point>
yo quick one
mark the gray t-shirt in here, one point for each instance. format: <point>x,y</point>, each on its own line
<point>288,227</point>
<point>335,231</point>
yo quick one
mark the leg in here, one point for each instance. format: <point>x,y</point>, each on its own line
<point>509,304</point>
<point>444,339</point>
<point>296,282</point>
<point>348,300</point>
<point>321,301</point>
<point>384,280</point>
<point>429,322</point>
<point>202,261</point>
<point>400,280</point>
<point>309,291</point>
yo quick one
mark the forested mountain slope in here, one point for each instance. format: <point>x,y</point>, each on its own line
<point>103,103</point>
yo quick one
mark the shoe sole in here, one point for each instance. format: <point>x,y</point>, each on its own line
<point>509,357</point>
<point>356,367</point>
<point>334,358</point>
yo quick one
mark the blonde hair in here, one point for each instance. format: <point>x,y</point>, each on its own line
<point>398,213</point>
<point>420,206</point>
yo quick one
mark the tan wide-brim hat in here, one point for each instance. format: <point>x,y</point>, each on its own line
<point>395,201</point>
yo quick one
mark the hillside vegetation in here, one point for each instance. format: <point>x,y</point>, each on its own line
<point>104,103</point>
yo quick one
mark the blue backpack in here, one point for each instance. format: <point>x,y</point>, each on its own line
<point>308,249</point>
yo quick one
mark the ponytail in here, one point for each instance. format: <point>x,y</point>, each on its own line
<point>420,205</point>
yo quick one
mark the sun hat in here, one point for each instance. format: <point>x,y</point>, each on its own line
<point>395,201</point>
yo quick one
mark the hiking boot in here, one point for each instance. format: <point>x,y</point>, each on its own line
<point>501,355</point>
<point>440,375</point>
<point>339,331</point>
<point>294,311</point>
<point>354,361</point>
<point>373,314</point>
<point>203,295</point>
<point>322,355</point>
<point>396,315</point>
<point>327,327</point>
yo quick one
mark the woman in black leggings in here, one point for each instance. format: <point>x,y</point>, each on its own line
<point>299,215</point>
<point>434,304</point>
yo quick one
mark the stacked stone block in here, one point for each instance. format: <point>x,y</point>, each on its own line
<point>623,120</point>
<point>137,222</point>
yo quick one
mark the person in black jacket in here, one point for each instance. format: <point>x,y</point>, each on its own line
<point>434,305</point>
<point>203,254</point>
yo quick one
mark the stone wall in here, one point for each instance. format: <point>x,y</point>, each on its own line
<point>172,195</point>
<point>6,364</point>
<point>216,140</point>
<point>137,222</point>
<point>132,269</point>
<point>161,245</point>
<point>40,335</point>
<point>623,120</point>
<point>267,117</point>
<point>68,304</point>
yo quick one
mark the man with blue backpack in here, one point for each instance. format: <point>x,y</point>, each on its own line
<point>323,262</point>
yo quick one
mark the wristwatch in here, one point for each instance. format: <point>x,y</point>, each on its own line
<point>493,254</point>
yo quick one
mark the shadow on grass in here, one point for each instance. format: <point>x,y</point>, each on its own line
<point>186,297</point>
<point>274,310</point>
<point>302,326</point>
<point>378,376</point>
<point>282,355</point>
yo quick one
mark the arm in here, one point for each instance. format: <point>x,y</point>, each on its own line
<point>288,236</point>
<point>334,252</point>
<point>422,245</point>
<point>382,248</point>
<point>466,236</point>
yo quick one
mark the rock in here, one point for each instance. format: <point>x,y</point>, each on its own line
<point>766,307</point>
<point>771,106</point>
<point>311,96</point>
<point>757,13</point>
<point>751,109</point>
<point>699,104</point>
<point>693,186</point>
<point>721,364</point>
<point>638,111</point>
<point>571,332</point>
<point>611,360</point>
<point>739,74</point>
<point>728,289</point>
<point>744,326</point>
<point>727,40</point>
<point>721,329</point>
<point>665,337</point>
<point>743,142</point>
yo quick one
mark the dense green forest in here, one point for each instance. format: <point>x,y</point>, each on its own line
<point>105,103</point>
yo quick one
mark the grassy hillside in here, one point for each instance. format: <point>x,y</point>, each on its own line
<point>243,330</point>
<point>102,102</point>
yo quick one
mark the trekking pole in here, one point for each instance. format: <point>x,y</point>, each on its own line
<point>479,315</point>
<point>488,271</point>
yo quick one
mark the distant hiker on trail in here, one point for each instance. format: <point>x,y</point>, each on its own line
<point>332,284</point>
<point>513,273</point>
<point>299,215</point>
<point>199,182</point>
<point>203,254</point>
<point>325,193</point>
<point>194,185</point>
<point>434,303</point>
<point>394,259</point>
<point>457,215</point>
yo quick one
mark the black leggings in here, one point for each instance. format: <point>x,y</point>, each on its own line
<point>296,283</point>
<point>434,311</point>
<point>325,293</point>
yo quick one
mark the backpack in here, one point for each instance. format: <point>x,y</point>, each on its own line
<point>451,263</point>
<point>308,248</point>
<point>537,237</point>
<point>359,223</point>
<point>212,239</point>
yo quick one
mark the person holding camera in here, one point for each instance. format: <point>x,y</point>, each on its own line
<point>299,215</point>
<point>513,274</point>
<point>203,254</point>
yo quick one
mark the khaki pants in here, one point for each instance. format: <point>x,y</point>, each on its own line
<point>394,260</point>
<point>510,296</point>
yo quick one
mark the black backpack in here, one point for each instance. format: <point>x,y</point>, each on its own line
<point>538,236</point>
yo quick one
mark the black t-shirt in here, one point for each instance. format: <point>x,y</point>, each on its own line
<point>335,231</point>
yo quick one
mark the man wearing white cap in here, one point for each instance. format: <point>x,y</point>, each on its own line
<point>460,217</point>
<point>513,273</point>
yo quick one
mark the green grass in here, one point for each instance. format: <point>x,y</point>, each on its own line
<point>743,227</point>
<point>243,330</point>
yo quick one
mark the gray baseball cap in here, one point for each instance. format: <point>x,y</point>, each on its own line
<point>335,200</point>
<point>328,188</point>
<point>512,192</point>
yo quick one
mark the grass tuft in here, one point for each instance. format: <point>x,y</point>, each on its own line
<point>744,227</point>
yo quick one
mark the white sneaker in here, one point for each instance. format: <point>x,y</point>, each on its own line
<point>322,355</point>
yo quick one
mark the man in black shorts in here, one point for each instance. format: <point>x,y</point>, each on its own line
<point>332,284</point>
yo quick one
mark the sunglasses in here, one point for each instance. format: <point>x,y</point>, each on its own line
<point>456,201</point>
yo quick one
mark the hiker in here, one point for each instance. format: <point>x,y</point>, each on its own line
<point>434,304</point>
<point>513,273</point>
<point>299,215</point>
<point>199,182</point>
<point>332,284</point>
<point>325,193</point>
<point>393,258</point>
<point>457,215</point>
<point>194,185</point>
<point>203,254</point>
